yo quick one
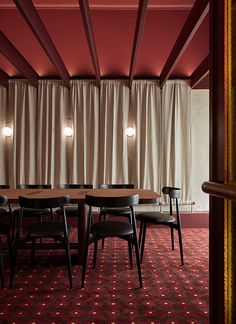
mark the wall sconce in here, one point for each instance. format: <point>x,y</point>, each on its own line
<point>68,131</point>
<point>130,131</point>
<point>7,131</point>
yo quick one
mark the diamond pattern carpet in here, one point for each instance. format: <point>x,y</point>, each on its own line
<point>171,293</point>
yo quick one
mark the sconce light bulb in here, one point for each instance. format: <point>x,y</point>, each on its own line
<point>130,131</point>
<point>7,131</point>
<point>68,131</point>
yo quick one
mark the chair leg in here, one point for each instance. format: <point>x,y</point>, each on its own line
<point>181,246</point>
<point>104,219</point>
<point>95,249</point>
<point>14,245</point>
<point>68,259</point>
<point>143,240</point>
<point>13,266</point>
<point>32,253</point>
<point>140,233</point>
<point>84,266</point>
<point>1,270</point>
<point>13,227</point>
<point>130,254</point>
<point>9,243</point>
<point>51,213</point>
<point>172,238</point>
<point>138,262</point>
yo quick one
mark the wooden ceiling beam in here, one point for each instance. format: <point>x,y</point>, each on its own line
<point>14,56</point>
<point>142,10</point>
<point>30,14</point>
<point>84,8</point>
<point>201,72</point>
<point>4,78</point>
<point>194,20</point>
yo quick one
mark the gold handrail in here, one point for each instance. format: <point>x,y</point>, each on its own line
<point>220,190</point>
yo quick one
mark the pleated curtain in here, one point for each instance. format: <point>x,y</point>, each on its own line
<point>23,115</point>
<point>99,151</point>
<point>114,112</point>
<point>146,118</point>
<point>84,145</point>
<point>176,136</point>
<point>53,98</point>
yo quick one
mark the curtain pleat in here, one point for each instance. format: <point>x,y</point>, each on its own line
<point>51,142</point>
<point>176,136</point>
<point>146,115</point>
<point>23,112</point>
<point>84,100</point>
<point>114,112</point>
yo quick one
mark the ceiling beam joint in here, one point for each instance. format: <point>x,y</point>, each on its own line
<point>84,8</point>
<point>142,10</point>
<point>4,78</point>
<point>14,56</point>
<point>30,14</point>
<point>193,22</point>
<point>201,72</point>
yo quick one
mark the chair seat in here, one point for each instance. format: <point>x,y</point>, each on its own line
<point>4,229</point>
<point>112,228</point>
<point>115,211</point>
<point>45,229</point>
<point>155,217</point>
<point>70,211</point>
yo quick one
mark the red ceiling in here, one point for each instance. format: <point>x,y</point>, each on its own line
<point>113,24</point>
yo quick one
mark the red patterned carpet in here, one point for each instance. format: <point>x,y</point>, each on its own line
<point>171,293</point>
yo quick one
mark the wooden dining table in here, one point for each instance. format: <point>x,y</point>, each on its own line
<point>146,196</point>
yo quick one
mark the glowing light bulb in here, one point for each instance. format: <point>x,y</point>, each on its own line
<point>7,131</point>
<point>68,131</point>
<point>130,131</point>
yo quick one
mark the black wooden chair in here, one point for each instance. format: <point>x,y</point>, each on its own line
<point>5,230</point>
<point>29,212</point>
<point>6,212</point>
<point>122,211</point>
<point>161,218</point>
<point>7,209</point>
<point>121,229</point>
<point>45,229</point>
<point>72,211</point>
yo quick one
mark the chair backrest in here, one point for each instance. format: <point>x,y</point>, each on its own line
<point>123,201</point>
<point>75,186</point>
<point>39,203</point>
<point>5,186</point>
<point>3,200</point>
<point>173,193</point>
<point>116,186</point>
<point>33,186</point>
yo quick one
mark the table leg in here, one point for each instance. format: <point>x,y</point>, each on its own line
<point>82,230</point>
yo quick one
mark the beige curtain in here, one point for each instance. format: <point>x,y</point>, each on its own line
<point>4,142</point>
<point>99,151</point>
<point>23,114</point>
<point>176,136</point>
<point>146,118</point>
<point>51,141</point>
<point>84,152</point>
<point>114,112</point>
